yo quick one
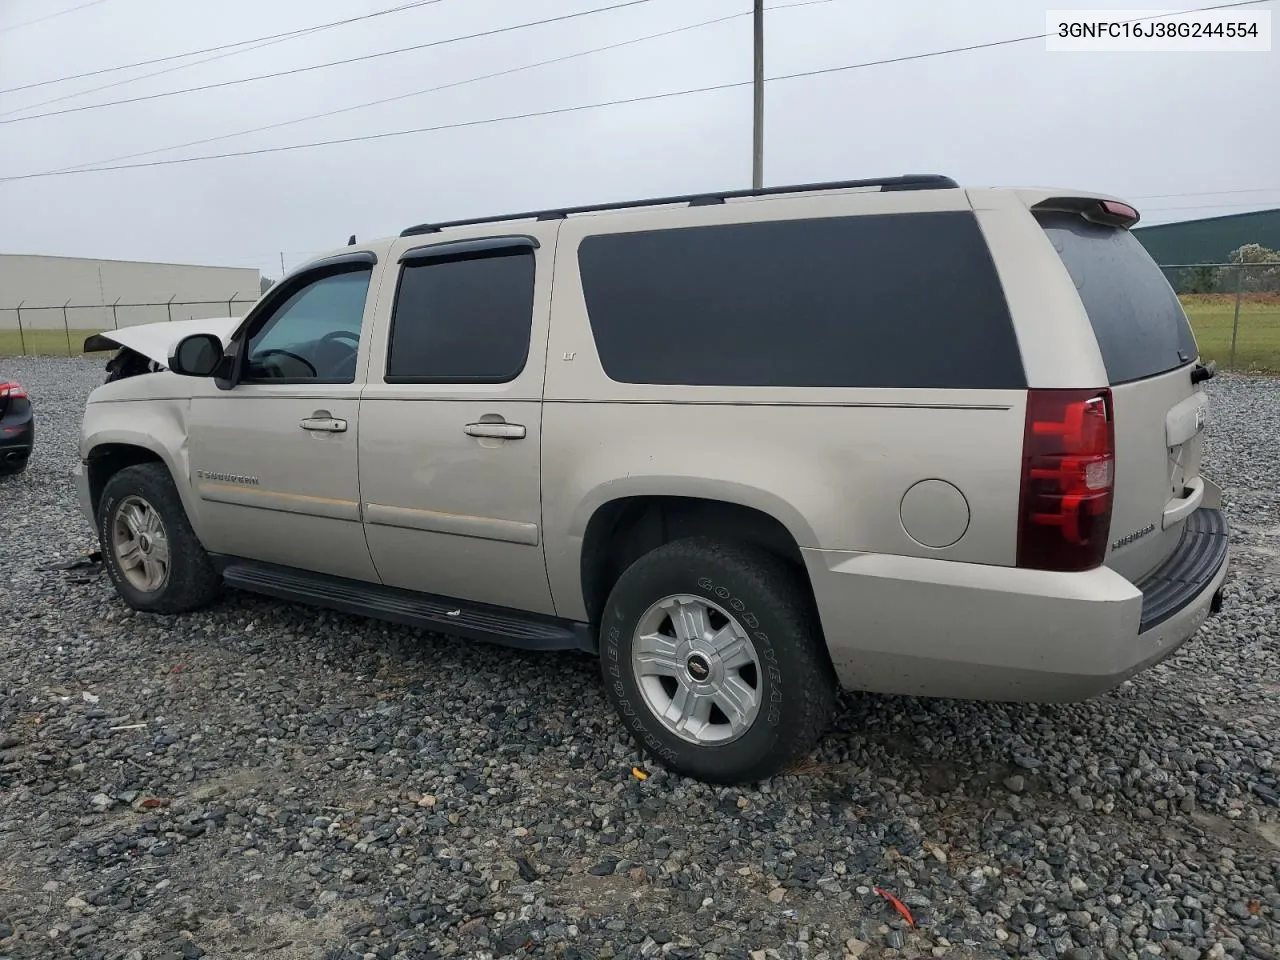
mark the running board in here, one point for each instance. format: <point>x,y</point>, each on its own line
<point>509,628</point>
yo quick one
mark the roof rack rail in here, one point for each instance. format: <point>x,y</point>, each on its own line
<point>923,181</point>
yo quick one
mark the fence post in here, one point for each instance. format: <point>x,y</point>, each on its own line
<point>66,328</point>
<point>169,307</point>
<point>115,317</point>
<point>22,337</point>
<point>230,301</point>
<point>1235,323</point>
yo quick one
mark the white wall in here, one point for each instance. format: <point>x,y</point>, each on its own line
<point>92,286</point>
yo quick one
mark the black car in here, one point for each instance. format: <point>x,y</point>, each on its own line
<point>17,427</point>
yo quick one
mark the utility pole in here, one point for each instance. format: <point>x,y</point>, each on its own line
<point>281,264</point>
<point>757,146</point>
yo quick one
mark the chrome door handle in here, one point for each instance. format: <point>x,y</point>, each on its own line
<point>498,430</point>
<point>324,424</point>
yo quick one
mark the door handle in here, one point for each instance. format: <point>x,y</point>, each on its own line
<point>498,430</point>
<point>324,424</point>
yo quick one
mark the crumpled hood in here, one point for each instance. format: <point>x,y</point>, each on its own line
<point>156,341</point>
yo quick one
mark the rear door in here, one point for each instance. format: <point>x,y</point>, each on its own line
<point>1148,350</point>
<point>451,419</point>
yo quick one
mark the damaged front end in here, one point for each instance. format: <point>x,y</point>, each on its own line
<point>145,348</point>
<point>129,363</point>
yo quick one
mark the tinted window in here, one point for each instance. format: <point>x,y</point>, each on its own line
<point>879,301</point>
<point>1140,325</point>
<point>314,334</point>
<point>466,318</point>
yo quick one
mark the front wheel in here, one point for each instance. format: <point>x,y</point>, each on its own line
<point>713,657</point>
<point>153,556</point>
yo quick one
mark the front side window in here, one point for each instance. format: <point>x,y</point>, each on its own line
<point>314,334</point>
<point>464,318</point>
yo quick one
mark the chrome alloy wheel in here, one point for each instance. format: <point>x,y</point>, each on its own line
<point>140,544</point>
<point>697,669</point>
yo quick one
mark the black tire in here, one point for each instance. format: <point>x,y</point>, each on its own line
<point>12,468</point>
<point>796,685</point>
<point>192,582</point>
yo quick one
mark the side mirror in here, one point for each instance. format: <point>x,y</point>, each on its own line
<point>198,355</point>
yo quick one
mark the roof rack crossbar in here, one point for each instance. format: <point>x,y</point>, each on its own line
<point>924,181</point>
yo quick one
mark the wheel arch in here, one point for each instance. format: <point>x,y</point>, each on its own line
<point>109,455</point>
<point>621,530</point>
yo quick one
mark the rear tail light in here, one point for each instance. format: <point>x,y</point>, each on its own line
<point>12,391</point>
<point>1121,212</point>
<point>1068,479</point>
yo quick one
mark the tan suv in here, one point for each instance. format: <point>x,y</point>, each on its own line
<point>894,435</point>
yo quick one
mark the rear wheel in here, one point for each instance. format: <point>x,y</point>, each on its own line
<point>713,657</point>
<point>153,556</point>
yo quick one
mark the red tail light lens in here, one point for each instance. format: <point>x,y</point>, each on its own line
<point>12,391</point>
<point>1121,211</point>
<point>1068,479</point>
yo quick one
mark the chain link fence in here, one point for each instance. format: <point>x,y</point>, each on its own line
<point>1234,309</point>
<point>28,329</point>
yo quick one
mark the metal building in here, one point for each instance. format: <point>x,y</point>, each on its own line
<point>1211,239</point>
<point>45,293</point>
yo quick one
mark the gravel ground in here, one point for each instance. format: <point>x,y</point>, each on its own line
<point>270,781</point>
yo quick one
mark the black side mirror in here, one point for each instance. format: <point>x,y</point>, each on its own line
<point>198,355</point>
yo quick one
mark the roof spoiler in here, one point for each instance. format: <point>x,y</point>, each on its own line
<point>1113,213</point>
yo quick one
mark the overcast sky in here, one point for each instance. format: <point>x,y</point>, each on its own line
<point>1137,125</point>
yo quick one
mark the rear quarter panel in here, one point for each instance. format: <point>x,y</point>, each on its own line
<point>832,465</point>
<point>1054,335</point>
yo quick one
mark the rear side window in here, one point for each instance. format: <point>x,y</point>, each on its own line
<point>1141,328</point>
<point>905,300</point>
<point>466,318</point>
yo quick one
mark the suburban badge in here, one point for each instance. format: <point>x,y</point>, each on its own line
<point>1130,537</point>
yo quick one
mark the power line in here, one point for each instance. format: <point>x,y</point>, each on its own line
<point>253,45</point>
<point>542,113</point>
<point>1204,193</point>
<point>50,16</point>
<point>435,89</point>
<point>284,73</point>
<point>388,134</point>
<point>195,53</point>
<point>995,43</point>
<point>322,66</point>
<point>1216,206</point>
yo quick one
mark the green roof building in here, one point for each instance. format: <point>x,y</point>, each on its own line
<point>1212,239</point>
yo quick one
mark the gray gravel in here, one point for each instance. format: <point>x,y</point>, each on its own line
<point>270,781</point>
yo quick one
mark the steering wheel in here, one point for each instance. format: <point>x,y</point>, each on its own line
<point>337,366</point>
<point>341,335</point>
<point>288,353</point>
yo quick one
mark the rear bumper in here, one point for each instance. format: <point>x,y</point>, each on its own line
<point>17,437</point>
<point>925,627</point>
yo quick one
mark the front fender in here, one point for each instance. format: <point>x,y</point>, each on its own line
<point>157,426</point>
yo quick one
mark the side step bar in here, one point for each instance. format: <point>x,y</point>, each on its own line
<point>508,628</point>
